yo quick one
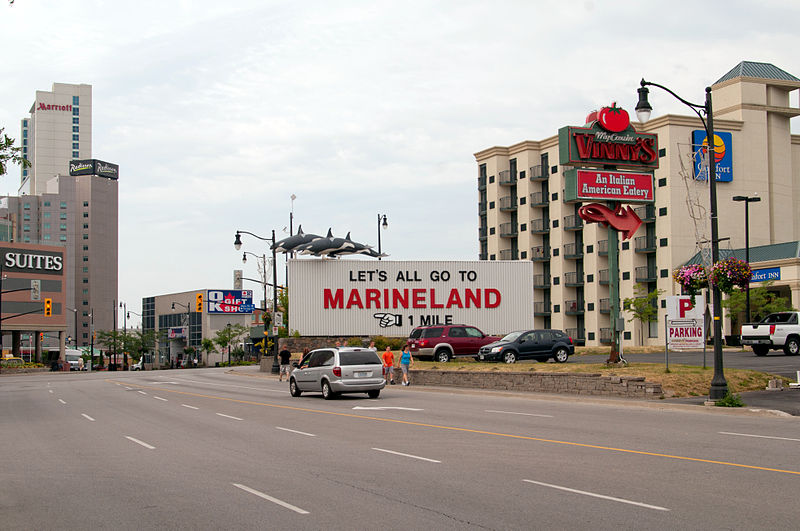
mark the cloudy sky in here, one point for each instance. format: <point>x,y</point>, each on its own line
<point>217,112</point>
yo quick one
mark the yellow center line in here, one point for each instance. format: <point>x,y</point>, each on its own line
<point>467,430</point>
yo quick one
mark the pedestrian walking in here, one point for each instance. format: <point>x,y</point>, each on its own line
<point>388,365</point>
<point>285,356</point>
<point>406,362</point>
<point>372,346</point>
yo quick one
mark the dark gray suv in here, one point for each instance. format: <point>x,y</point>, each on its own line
<point>332,371</point>
<point>529,344</point>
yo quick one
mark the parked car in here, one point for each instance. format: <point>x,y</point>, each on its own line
<point>332,371</point>
<point>779,330</point>
<point>539,345</point>
<point>445,342</point>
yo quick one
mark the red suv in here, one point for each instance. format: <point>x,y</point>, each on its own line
<point>444,342</point>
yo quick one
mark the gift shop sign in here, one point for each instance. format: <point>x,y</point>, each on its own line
<point>230,301</point>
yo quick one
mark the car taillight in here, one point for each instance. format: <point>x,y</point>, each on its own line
<point>771,329</point>
<point>337,371</point>
<point>570,340</point>
<point>422,342</point>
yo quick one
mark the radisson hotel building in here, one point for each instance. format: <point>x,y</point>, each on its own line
<point>68,200</point>
<point>523,214</point>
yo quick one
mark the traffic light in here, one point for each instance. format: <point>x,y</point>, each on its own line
<point>199,303</point>
<point>48,307</point>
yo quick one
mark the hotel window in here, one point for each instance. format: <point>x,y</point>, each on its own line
<point>85,236</point>
<point>86,214</point>
<point>63,204</point>
<point>26,206</point>
<point>85,269</point>
<point>62,238</point>
<point>25,133</point>
<point>85,280</point>
<point>76,145</point>
<point>76,100</point>
<point>46,203</point>
<point>85,303</point>
<point>76,154</point>
<point>24,141</point>
<point>86,203</point>
<point>24,173</point>
<point>76,137</point>
<point>63,226</point>
<point>85,225</point>
<point>46,226</point>
<point>26,216</point>
<point>46,237</point>
<point>46,215</point>
<point>75,111</point>
<point>27,239</point>
<point>26,227</point>
<point>86,292</point>
<point>75,129</point>
<point>85,258</point>
<point>75,120</point>
<point>63,215</point>
<point>24,123</point>
<point>85,247</point>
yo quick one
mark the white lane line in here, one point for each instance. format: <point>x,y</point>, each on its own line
<point>383,408</point>
<point>759,436</point>
<point>228,416</point>
<point>50,391</point>
<point>128,388</point>
<point>295,431</point>
<point>407,455</point>
<point>190,407</point>
<point>601,496</point>
<point>267,497</point>
<point>517,413</point>
<point>61,401</point>
<point>137,441</point>
<point>225,385</point>
<point>87,417</point>
<point>141,392</point>
<point>162,399</point>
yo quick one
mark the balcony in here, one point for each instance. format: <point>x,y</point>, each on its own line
<point>539,199</point>
<point>573,222</point>
<point>541,281</point>
<point>540,253</point>
<point>646,274</point>
<point>573,251</point>
<point>482,182</point>
<point>605,305</point>
<point>644,244</point>
<point>602,247</point>
<point>603,276</point>
<point>506,178</point>
<point>508,230</point>
<point>508,203</point>
<point>482,208</point>
<point>573,279</point>
<point>573,307</point>
<point>541,308</point>
<point>605,335</point>
<point>482,233</point>
<point>578,335</point>
<point>538,173</point>
<point>540,226</point>
<point>647,213</point>
<point>508,254</point>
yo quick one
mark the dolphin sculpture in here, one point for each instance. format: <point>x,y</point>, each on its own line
<point>292,242</point>
<point>317,247</point>
<point>351,247</point>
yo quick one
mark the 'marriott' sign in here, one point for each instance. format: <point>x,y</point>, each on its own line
<point>596,185</point>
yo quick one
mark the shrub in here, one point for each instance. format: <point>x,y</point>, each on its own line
<point>730,400</point>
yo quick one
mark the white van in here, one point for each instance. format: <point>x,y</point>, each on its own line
<point>75,359</point>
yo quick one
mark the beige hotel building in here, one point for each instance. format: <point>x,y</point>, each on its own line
<point>523,216</point>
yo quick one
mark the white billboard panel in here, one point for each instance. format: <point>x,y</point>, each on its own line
<point>356,297</point>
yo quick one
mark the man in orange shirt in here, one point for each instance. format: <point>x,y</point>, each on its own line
<point>388,365</point>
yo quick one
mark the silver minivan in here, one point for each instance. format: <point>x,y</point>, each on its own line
<point>332,371</point>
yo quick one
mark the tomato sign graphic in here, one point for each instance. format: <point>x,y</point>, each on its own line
<point>614,119</point>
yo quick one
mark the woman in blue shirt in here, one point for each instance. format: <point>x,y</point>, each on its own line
<point>406,361</point>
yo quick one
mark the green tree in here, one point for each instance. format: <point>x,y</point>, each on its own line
<point>206,346</point>
<point>228,335</point>
<point>762,303</point>
<point>10,153</point>
<point>643,306</point>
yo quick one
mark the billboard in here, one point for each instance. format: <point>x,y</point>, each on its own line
<point>229,301</point>
<point>355,297</point>
<point>603,185</point>
<point>94,167</point>
<point>723,155</point>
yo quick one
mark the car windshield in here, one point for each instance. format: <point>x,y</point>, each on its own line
<point>512,336</point>
<point>363,357</point>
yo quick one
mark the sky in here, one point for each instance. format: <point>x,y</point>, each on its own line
<point>218,112</point>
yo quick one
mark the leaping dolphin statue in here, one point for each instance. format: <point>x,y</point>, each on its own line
<point>292,242</point>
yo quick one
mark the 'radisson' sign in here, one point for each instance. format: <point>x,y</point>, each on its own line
<point>94,167</point>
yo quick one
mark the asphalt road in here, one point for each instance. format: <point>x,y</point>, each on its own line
<point>208,449</point>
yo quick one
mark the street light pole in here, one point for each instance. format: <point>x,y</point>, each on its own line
<point>124,307</point>
<point>385,225</point>
<point>719,386</point>
<point>264,283</point>
<point>747,200</point>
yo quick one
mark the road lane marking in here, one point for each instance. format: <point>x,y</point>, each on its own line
<point>128,388</point>
<point>50,391</point>
<point>759,436</point>
<point>190,407</point>
<point>517,413</point>
<point>87,417</point>
<point>601,496</point>
<point>137,441</point>
<point>61,401</point>
<point>295,431</point>
<point>227,385</point>
<point>141,392</point>
<point>267,497</point>
<point>159,398</point>
<point>484,432</point>
<point>407,455</point>
<point>228,416</point>
<point>383,408</point>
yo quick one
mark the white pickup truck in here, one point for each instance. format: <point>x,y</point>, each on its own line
<point>775,331</point>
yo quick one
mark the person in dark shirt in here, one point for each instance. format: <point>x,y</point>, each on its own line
<point>284,356</point>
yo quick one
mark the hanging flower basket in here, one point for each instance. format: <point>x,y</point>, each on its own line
<point>729,273</point>
<point>692,278</point>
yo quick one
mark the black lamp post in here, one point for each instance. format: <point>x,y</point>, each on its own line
<point>719,386</point>
<point>747,200</point>
<point>237,244</point>
<point>263,281</point>
<point>124,307</point>
<point>381,223</point>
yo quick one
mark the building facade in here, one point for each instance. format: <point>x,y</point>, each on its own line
<point>523,215</point>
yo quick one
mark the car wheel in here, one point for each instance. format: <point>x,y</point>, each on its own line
<point>442,356</point>
<point>760,350</point>
<point>375,393</point>
<point>327,392</point>
<point>510,357</point>
<point>561,355</point>
<point>792,346</point>
<point>293,389</point>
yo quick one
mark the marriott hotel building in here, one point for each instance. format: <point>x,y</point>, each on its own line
<point>523,214</point>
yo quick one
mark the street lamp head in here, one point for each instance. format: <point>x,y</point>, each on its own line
<point>643,107</point>
<point>385,224</point>
<point>237,243</point>
<point>173,305</point>
<point>740,198</point>
<point>244,258</point>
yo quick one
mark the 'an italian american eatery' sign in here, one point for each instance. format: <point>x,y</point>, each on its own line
<point>596,185</point>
